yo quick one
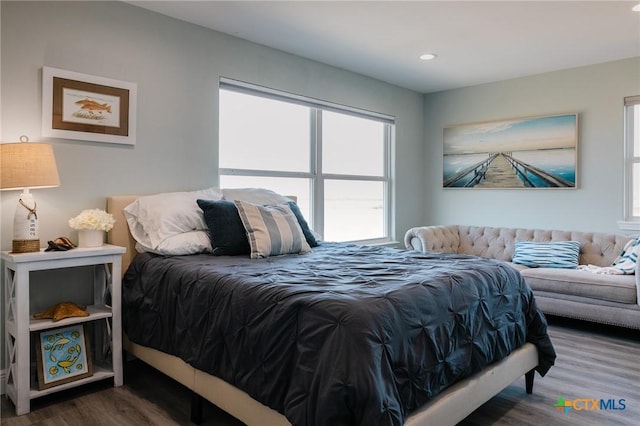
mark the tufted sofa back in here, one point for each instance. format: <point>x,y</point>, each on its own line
<point>498,243</point>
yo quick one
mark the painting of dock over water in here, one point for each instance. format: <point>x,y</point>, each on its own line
<point>538,152</point>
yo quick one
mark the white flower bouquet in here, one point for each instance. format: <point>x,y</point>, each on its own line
<point>94,219</point>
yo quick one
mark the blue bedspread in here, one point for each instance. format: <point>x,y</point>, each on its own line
<point>345,335</point>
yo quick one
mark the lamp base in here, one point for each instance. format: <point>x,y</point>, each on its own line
<point>25,246</point>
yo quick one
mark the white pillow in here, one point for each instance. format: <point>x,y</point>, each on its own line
<point>271,230</point>
<point>254,195</point>
<point>187,243</point>
<point>153,219</point>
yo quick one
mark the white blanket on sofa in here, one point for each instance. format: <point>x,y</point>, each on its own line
<point>606,270</point>
<point>626,263</point>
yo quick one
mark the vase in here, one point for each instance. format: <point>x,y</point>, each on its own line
<point>90,238</point>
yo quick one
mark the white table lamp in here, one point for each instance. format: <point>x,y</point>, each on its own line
<point>27,165</point>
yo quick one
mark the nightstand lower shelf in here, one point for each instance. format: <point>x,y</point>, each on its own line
<point>99,373</point>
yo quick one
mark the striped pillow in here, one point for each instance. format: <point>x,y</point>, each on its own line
<point>551,254</point>
<point>628,259</point>
<point>271,230</point>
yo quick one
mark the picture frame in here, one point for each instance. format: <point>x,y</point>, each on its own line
<point>530,152</point>
<point>62,355</point>
<point>85,107</point>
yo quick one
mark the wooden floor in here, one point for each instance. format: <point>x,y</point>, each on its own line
<point>594,362</point>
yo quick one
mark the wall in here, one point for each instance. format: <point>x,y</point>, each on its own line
<point>177,67</point>
<point>595,92</point>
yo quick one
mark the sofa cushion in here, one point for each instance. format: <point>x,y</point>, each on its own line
<point>616,288</point>
<point>551,254</point>
<point>517,266</point>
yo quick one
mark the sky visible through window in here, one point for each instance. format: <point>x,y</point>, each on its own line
<point>263,134</point>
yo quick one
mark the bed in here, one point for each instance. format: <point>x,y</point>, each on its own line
<point>452,392</point>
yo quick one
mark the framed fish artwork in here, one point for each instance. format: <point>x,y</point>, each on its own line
<point>84,107</point>
<point>62,356</point>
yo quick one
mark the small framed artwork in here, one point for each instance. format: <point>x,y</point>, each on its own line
<point>534,152</point>
<point>85,107</point>
<point>62,356</point>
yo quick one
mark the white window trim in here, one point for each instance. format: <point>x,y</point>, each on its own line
<point>629,225</point>
<point>318,179</point>
<point>630,222</point>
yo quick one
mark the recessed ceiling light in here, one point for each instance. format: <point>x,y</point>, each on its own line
<point>428,56</point>
<point>636,8</point>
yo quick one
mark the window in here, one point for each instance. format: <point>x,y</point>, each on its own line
<point>632,159</point>
<point>335,159</point>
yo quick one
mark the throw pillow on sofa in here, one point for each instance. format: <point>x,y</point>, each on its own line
<point>549,254</point>
<point>628,259</point>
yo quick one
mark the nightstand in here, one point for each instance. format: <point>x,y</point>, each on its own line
<point>105,319</point>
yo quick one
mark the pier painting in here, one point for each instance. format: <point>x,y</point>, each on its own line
<point>539,152</point>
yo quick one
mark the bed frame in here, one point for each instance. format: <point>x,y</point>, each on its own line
<point>448,408</point>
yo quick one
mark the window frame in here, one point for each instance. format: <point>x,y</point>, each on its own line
<point>630,221</point>
<point>315,173</point>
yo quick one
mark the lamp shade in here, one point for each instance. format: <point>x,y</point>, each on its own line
<point>27,165</point>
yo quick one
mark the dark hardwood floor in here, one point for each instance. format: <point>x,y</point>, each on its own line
<point>594,362</point>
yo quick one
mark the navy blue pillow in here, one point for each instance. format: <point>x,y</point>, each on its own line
<point>308,235</point>
<point>226,231</point>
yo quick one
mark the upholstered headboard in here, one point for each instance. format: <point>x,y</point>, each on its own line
<point>120,234</point>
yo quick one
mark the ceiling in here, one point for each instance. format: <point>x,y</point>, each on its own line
<point>476,41</point>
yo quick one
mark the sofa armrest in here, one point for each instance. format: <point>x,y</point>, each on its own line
<point>638,282</point>
<point>436,239</point>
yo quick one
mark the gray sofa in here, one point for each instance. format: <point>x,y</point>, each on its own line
<point>609,299</point>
